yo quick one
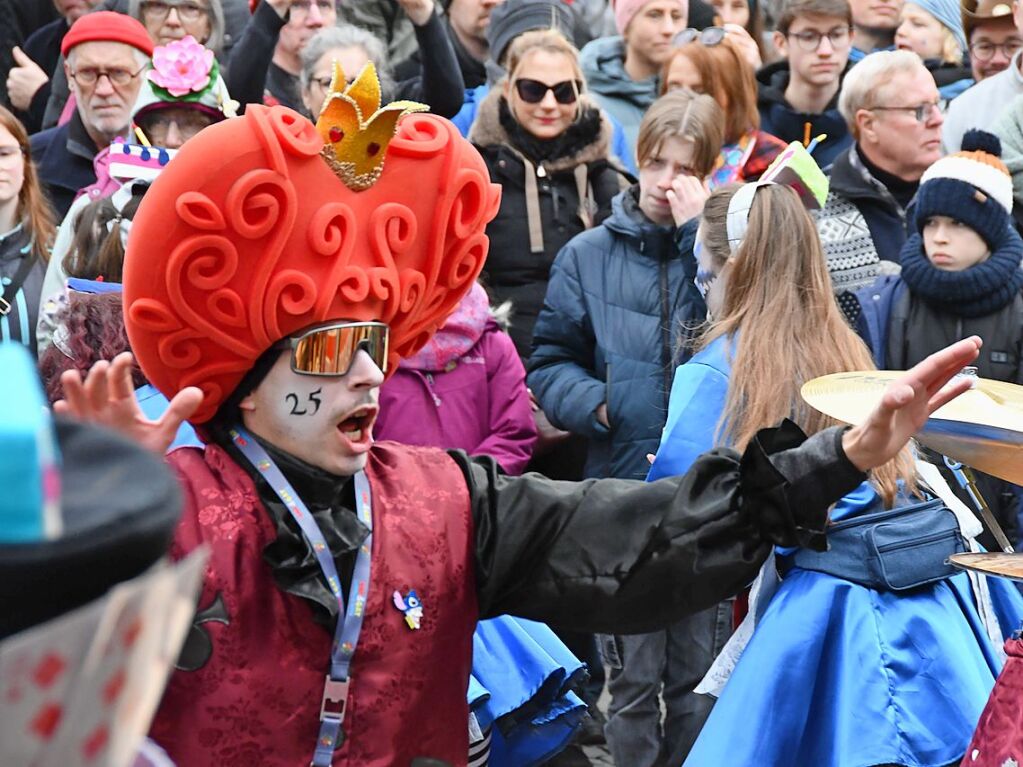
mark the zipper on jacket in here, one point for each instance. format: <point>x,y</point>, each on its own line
<point>607,392</point>
<point>429,383</point>
<point>665,332</point>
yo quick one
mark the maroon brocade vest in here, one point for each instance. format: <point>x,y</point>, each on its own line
<point>256,700</point>
<point>998,740</point>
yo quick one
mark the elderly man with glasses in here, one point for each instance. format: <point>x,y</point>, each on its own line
<point>104,54</point>
<point>890,103</point>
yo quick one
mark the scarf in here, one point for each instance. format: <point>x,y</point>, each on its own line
<point>460,333</point>
<point>581,133</point>
<point>975,292</point>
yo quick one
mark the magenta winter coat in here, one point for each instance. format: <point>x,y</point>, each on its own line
<point>480,405</point>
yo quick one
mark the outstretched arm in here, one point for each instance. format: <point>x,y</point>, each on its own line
<point>625,556</point>
<point>107,397</point>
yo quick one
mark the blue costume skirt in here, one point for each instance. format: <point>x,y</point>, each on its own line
<point>839,675</point>
<point>521,675</point>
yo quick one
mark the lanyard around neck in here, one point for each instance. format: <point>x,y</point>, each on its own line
<point>349,622</point>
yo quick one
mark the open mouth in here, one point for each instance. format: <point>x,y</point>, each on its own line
<point>358,425</point>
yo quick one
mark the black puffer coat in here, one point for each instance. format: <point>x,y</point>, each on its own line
<point>540,206</point>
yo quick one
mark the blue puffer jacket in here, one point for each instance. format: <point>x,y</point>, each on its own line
<point>620,299</point>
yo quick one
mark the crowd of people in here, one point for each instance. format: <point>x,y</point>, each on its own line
<point>448,311</point>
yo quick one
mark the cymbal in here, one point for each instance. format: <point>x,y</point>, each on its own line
<point>982,428</point>
<point>993,563</point>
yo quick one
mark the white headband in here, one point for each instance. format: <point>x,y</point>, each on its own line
<point>739,207</point>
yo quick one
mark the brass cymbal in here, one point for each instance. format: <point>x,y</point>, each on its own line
<point>982,428</point>
<point>993,563</point>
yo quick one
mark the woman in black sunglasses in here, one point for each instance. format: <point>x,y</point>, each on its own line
<point>547,145</point>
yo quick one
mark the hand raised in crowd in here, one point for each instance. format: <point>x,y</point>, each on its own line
<point>107,397</point>
<point>419,11</point>
<point>907,403</point>
<point>24,80</point>
<point>686,198</point>
<point>745,43</point>
<point>281,6</point>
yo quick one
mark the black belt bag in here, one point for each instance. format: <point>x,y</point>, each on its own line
<point>891,550</point>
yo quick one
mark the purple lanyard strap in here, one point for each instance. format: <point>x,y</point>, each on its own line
<point>349,622</point>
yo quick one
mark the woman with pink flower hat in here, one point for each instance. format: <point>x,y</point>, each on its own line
<point>182,93</point>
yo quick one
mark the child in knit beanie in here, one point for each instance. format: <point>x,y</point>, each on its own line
<point>960,270</point>
<point>960,276</point>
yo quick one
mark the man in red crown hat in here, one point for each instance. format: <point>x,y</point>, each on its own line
<point>276,272</point>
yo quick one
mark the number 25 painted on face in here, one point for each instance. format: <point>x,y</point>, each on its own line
<point>314,398</point>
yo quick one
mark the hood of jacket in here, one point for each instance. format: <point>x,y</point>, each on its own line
<point>603,65</point>
<point>487,130</point>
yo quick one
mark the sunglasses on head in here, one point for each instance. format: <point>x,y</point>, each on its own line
<point>709,36</point>
<point>534,91</point>
<point>329,350</point>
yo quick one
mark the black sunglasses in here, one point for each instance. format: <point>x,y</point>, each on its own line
<point>534,91</point>
<point>709,36</point>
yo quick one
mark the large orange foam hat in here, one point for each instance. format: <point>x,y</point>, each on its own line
<point>259,228</point>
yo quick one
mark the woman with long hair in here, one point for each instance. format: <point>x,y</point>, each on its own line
<point>708,61</point>
<point>837,649</point>
<point>26,234</point>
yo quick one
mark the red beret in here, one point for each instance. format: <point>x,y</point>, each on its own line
<point>107,27</point>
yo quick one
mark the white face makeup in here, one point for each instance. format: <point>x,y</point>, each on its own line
<point>326,421</point>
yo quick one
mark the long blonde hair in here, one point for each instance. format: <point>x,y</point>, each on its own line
<point>779,304</point>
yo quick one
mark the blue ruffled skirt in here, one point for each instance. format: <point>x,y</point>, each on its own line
<point>521,675</point>
<point>838,675</point>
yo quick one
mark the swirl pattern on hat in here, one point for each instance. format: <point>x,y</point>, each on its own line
<point>249,237</point>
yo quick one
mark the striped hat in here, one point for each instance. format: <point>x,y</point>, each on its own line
<point>972,186</point>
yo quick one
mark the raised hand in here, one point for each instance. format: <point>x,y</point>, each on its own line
<point>907,403</point>
<point>24,79</point>
<point>686,198</point>
<point>107,397</point>
<point>419,11</point>
<point>745,43</point>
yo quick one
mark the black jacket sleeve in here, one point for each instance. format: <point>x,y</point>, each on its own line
<point>439,82</point>
<point>251,56</point>
<point>624,556</point>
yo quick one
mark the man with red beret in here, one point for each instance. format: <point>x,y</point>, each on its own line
<point>104,56</point>
<point>275,273</point>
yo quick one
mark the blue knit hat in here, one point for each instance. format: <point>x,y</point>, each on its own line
<point>949,14</point>
<point>972,186</point>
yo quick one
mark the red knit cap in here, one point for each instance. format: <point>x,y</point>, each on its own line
<point>249,236</point>
<point>107,27</point>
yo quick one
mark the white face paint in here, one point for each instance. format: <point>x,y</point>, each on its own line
<point>326,421</point>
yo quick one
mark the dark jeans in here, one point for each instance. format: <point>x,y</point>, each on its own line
<point>666,664</point>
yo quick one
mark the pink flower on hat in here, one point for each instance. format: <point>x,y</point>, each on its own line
<point>182,67</point>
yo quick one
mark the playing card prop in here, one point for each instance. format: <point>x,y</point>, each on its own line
<point>82,689</point>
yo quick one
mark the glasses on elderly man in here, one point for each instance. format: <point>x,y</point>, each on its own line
<point>89,76</point>
<point>301,7</point>
<point>708,36</point>
<point>158,10</point>
<point>921,112</point>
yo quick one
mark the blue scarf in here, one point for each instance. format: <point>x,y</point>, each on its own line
<point>975,292</point>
